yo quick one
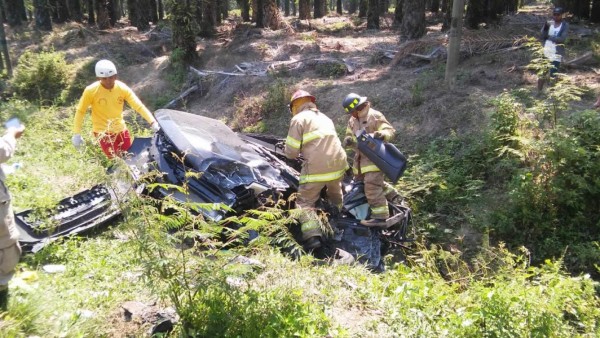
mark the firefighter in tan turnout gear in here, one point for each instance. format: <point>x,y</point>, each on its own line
<point>373,121</point>
<point>313,135</point>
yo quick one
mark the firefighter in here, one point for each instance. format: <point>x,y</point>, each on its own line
<point>313,135</point>
<point>10,251</point>
<point>373,121</point>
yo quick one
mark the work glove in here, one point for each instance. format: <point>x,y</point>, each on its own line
<point>348,142</point>
<point>280,145</point>
<point>155,127</point>
<point>379,135</point>
<point>77,141</point>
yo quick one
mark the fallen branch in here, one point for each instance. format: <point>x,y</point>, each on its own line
<point>579,60</point>
<point>182,96</point>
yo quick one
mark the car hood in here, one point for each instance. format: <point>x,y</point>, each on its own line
<point>209,146</point>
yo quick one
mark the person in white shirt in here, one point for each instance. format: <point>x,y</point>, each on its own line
<point>554,34</point>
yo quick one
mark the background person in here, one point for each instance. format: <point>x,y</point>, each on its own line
<point>313,134</point>
<point>554,34</point>
<point>106,97</point>
<point>10,251</point>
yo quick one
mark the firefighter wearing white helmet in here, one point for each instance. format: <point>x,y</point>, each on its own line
<point>373,121</point>
<point>106,98</point>
<point>313,135</point>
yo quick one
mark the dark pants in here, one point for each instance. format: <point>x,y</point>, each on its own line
<point>554,68</point>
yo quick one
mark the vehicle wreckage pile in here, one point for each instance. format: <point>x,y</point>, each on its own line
<point>239,171</point>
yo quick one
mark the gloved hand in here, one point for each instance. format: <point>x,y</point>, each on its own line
<point>155,127</point>
<point>348,142</point>
<point>379,135</point>
<point>280,145</point>
<point>77,141</point>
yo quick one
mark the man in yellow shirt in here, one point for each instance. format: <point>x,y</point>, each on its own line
<point>106,97</point>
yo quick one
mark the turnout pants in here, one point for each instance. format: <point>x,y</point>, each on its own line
<point>10,251</point>
<point>375,192</point>
<point>308,194</point>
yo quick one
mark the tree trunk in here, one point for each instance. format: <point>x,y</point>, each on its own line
<point>102,16</point>
<point>318,9</point>
<point>362,8</point>
<point>476,13</point>
<point>161,10</point>
<point>293,3</point>
<point>271,15</point>
<point>382,7</point>
<point>454,43</point>
<point>413,20</point>
<point>114,11</point>
<point>12,12</point>
<point>42,15</point>
<point>75,9</point>
<point>225,9</point>
<point>62,11</point>
<point>373,14</point>
<point>90,8</point>
<point>435,6</point>
<point>595,17</point>
<point>581,9</point>
<point>153,11</point>
<point>352,6</point>
<point>139,13</point>
<point>21,10</point>
<point>286,7</point>
<point>447,8</point>
<point>338,7</point>
<point>398,14</point>
<point>245,7</point>
<point>209,18</point>
<point>4,44</point>
<point>184,38</point>
<point>304,9</point>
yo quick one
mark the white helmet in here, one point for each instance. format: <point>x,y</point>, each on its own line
<point>105,68</point>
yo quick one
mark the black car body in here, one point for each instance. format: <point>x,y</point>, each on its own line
<point>218,166</point>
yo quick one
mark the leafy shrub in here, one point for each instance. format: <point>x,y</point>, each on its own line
<point>331,69</point>
<point>41,77</point>
<point>84,76</point>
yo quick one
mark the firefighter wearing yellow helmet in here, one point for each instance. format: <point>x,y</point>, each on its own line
<point>373,121</point>
<point>313,135</point>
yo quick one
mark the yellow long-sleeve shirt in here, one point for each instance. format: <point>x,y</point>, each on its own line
<point>107,107</point>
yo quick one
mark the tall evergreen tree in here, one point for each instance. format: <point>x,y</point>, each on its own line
<point>183,30</point>
<point>271,16</point>
<point>303,9</point>
<point>338,7</point>
<point>373,14</point>
<point>74,7</point>
<point>413,20</point>
<point>12,12</point>
<point>61,11</point>
<point>102,14</point>
<point>42,15</point>
<point>90,10</point>
<point>4,43</point>
<point>362,8</point>
<point>398,13</point>
<point>595,16</point>
<point>318,9</point>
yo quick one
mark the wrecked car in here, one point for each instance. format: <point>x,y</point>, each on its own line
<point>219,166</point>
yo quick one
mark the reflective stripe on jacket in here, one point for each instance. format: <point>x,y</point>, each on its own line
<point>371,120</point>
<point>313,134</point>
